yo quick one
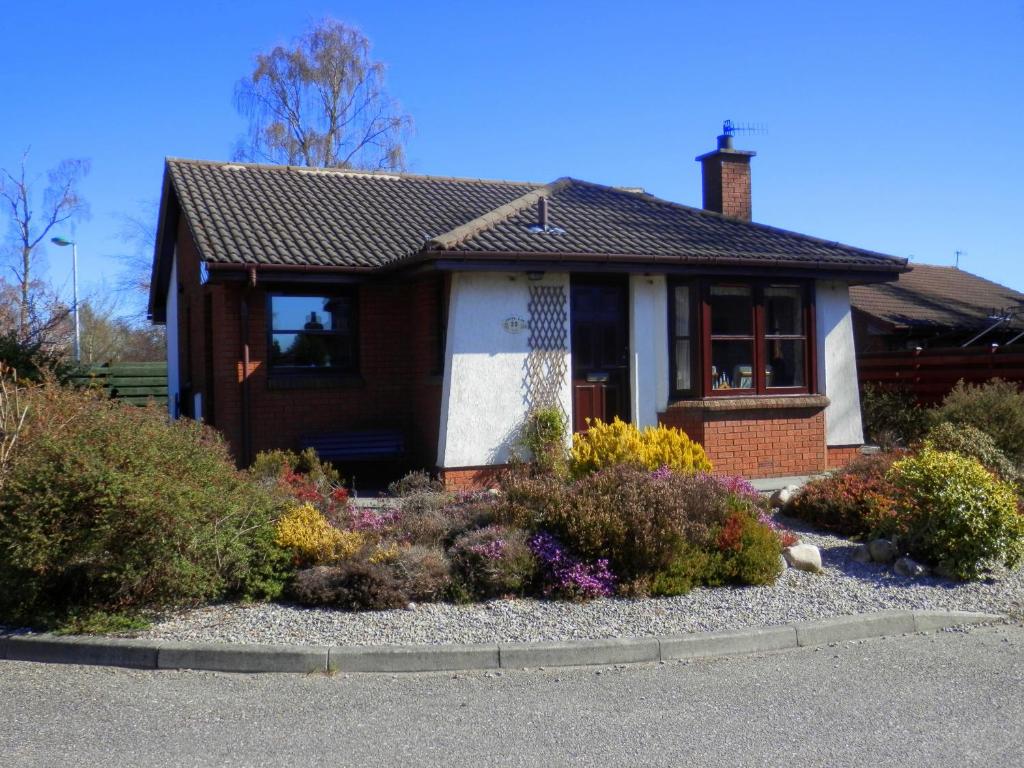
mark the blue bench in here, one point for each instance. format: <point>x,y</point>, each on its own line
<point>358,445</point>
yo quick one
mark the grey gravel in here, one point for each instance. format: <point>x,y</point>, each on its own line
<point>845,587</point>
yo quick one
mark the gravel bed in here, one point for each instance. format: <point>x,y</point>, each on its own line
<point>845,587</point>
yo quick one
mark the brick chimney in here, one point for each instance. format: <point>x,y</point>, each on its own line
<point>726,173</point>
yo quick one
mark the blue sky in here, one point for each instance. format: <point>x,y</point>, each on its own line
<point>890,125</point>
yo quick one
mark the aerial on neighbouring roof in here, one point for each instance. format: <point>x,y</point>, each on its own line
<point>279,215</point>
<point>936,297</point>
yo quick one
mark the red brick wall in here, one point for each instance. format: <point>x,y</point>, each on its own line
<point>471,478</point>
<point>398,384</point>
<point>726,185</point>
<point>841,455</point>
<point>767,442</point>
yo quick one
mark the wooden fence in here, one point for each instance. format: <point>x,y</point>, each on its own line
<point>929,374</point>
<point>134,383</point>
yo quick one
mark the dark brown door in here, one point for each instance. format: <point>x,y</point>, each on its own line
<point>600,350</point>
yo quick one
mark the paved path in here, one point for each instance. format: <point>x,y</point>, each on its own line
<point>949,698</point>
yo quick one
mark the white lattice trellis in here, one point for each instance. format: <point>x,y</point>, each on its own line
<point>545,367</point>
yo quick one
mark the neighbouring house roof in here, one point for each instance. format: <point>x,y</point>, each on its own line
<point>933,297</point>
<point>283,216</point>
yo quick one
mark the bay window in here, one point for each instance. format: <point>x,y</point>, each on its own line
<point>740,338</point>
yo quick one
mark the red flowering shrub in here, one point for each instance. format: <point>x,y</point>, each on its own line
<point>852,502</point>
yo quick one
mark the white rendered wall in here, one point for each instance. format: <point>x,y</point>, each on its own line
<point>171,327</point>
<point>483,401</point>
<point>837,364</point>
<point>648,347</point>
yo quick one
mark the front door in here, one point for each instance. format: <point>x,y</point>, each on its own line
<point>600,350</point>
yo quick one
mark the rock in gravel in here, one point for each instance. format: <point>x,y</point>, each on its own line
<point>861,554</point>
<point>783,562</point>
<point>783,496</point>
<point>883,551</point>
<point>803,557</point>
<point>911,568</point>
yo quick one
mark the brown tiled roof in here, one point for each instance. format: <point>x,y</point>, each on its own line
<point>274,215</point>
<point>935,297</point>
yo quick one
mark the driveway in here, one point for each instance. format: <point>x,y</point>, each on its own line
<point>950,698</point>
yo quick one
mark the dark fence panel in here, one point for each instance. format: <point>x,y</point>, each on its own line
<point>135,383</point>
<point>930,374</point>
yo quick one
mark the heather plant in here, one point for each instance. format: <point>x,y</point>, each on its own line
<point>954,514</point>
<point>567,577</point>
<point>356,585</point>
<point>854,501</point>
<point>413,483</point>
<point>606,445</point>
<point>995,407</point>
<point>425,572</point>
<point>494,561</point>
<point>108,507</point>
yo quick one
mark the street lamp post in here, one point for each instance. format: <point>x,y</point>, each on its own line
<point>74,282</point>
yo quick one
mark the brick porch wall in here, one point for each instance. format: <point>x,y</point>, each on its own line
<point>841,455</point>
<point>775,438</point>
<point>471,478</point>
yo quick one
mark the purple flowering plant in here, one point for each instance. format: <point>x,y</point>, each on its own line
<point>567,576</point>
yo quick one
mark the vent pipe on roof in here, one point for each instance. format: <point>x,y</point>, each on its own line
<point>542,213</point>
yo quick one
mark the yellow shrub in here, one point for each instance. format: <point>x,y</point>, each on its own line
<point>620,443</point>
<point>306,532</point>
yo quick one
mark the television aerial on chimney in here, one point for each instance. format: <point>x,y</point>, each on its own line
<point>730,129</point>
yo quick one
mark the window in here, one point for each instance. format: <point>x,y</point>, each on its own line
<point>683,349</point>
<point>313,333</point>
<point>742,338</point>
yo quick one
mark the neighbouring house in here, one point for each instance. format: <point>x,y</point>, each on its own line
<point>934,327</point>
<point>380,314</point>
<point>933,306</point>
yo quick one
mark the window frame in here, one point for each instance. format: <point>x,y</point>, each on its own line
<point>702,337</point>
<point>354,339</point>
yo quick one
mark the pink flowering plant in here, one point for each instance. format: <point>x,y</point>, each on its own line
<point>567,577</point>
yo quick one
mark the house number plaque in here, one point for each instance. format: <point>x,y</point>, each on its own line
<point>515,324</point>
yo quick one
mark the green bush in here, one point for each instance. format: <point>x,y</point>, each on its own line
<point>108,507</point>
<point>892,416</point>
<point>971,441</point>
<point>996,408</point>
<point>494,561</point>
<point>953,514</point>
<point>852,501</point>
<point>544,435</point>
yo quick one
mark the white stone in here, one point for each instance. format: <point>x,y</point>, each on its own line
<point>783,496</point>
<point>803,557</point>
<point>883,551</point>
<point>910,568</point>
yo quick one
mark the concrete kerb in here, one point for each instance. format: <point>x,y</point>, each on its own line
<point>224,657</point>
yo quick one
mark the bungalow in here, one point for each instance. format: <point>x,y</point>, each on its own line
<point>378,313</point>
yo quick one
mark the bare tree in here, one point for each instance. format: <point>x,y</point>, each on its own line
<point>61,202</point>
<point>322,103</point>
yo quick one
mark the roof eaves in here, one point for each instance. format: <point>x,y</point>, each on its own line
<point>464,232</point>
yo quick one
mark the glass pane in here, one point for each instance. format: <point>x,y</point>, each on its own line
<point>783,310</point>
<point>684,366</point>
<point>310,313</point>
<point>683,310</point>
<point>311,350</point>
<point>785,362</point>
<point>732,310</point>
<point>732,365</point>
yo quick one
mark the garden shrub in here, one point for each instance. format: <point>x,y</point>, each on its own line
<point>892,416</point>
<point>109,507</point>
<point>996,408</point>
<point>438,518</point>
<point>971,441</point>
<point>543,435</point>
<point>605,445</point>
<point>565,576</point>
<point>425,572</point>
<point>355,585</point>
<point>415,482</point>
<point>494,561</point>
<point>305,532</point>
<point>954,514</point>
<point>852,501</point>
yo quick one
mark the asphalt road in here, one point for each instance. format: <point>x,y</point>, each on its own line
<point>950,698</point>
